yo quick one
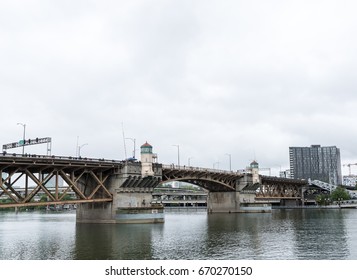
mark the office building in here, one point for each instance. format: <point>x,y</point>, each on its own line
<point>316,163</point>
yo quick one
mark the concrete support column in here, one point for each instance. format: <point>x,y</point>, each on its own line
<point>223,202</point>
<point>99,212</point>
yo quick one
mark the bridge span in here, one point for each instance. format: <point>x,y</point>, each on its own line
<point>111,191</point>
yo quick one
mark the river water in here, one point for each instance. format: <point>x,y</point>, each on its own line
<point>300,234</point>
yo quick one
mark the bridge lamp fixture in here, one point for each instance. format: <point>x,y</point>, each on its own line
<point>80,147</point>
<point>230,161</point>
<point>178,154</point>
<point>23,137</point>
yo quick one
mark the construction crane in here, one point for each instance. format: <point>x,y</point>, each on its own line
<point>349,167</point>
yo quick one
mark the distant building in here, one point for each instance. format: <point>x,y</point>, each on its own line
<point>350,180</point>
<point>316,163</point>
<point>285,174</point>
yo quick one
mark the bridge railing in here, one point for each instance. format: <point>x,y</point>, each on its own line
<point>192,168</point>
<point>52,157</point>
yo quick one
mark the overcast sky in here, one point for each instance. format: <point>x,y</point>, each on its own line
<point>246,78</point>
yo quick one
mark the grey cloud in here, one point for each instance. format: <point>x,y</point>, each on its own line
<point>246,78</point>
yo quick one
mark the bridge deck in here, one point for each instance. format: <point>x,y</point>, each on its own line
<point>9,162</point>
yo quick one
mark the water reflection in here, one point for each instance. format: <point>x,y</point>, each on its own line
<point>283,234</point>
<point>183,237</point>
<point>320,234</point>
<point>36,236</point>
<point>113,241</point>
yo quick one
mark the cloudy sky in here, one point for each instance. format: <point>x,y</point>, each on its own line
<point>245,78</point>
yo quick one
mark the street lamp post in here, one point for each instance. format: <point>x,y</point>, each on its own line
<point>178,154</point>
<point>134,140</point>
<point>23,137</point>
<point>80,147</point>
<point>230,161</point>
<point>189,161</point>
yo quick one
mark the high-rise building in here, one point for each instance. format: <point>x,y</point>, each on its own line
<point>316,163</point>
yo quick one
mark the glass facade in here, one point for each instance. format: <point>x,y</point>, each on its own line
<point>316,163</point>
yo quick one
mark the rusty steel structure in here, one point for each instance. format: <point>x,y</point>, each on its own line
<point>279,188</point>
<point>42,174</point>
<point>220,181</point>
<point>89,180</point>
<point>212,180</point>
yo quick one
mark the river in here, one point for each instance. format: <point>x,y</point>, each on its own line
<point>299,234</point>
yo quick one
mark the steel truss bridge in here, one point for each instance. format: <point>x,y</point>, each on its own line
<point>89,180</point>
<point>43,173</point>
<point>210,179</point>
<point>279,188</point>
<point>270,188</point>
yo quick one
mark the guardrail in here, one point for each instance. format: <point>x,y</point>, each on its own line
<point>192,168</point>
<point>49,157</point>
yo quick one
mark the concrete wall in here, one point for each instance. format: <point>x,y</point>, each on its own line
<point>223,202</point>
<point>100,212</point>
<point>132,200</point>
<point>94,213</point>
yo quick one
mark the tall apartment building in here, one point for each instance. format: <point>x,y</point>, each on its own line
<point>316,163</point>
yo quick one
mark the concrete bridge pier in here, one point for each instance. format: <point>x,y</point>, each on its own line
<point>131,187</point>
<point>133,195</point>
<point>240,200</point>
<point>223,202</point>
<point>96,212</point>
<point>228,202</point>
<point>132,198</point>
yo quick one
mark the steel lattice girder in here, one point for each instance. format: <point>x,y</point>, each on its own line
<point>99,193</point>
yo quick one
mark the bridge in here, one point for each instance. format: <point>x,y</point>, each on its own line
<point>111,191</point>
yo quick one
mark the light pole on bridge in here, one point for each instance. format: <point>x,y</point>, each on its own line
<point>133,139</point>
<point>230,161</point>
<point>189,161</point>
<point>80,147</point>
<point>23,137</point>
<point>178,154</point>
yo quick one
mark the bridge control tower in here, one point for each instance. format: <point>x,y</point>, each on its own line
<point>254,167</point>
<point>147,159</point>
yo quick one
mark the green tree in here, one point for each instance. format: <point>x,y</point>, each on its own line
<point>323,199</point>
<point>340,194</point>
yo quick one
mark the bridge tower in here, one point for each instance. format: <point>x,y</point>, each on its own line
<point>131,186</point>
<point>147,159</point>
<point>254,166</point>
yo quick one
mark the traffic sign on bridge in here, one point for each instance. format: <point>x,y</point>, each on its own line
<point>28,142</point>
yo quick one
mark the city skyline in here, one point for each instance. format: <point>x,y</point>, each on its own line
<point>244,79</point>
